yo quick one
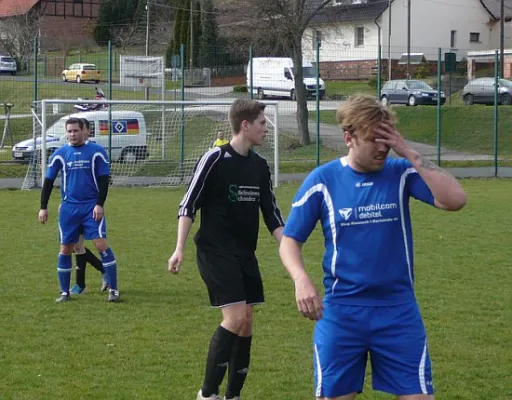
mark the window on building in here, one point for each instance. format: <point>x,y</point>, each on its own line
<point>359,36</point>
<point>453,39</point>
<point>474,37</point>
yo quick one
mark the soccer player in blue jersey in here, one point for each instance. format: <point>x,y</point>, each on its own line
<point>85,178</point>
<point>83,255</point>
<point>369,308</point>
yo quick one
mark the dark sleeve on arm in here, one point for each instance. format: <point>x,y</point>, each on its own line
<point>195,194</point>
<point>46,192</point>
<point>103,181</point>
<point>268,203</point>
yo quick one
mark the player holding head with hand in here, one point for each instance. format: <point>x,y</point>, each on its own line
<point>362,204</point>
<point>231,184</point>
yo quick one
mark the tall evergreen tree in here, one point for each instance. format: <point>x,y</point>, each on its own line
<point>209,43</point>
<point>185,28</point>
<point>197,32</point>
<point>116,17</point>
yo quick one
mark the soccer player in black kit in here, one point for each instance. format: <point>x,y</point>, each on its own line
<point>231,183</point>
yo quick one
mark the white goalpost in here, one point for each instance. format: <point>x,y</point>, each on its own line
<point>150,143</point>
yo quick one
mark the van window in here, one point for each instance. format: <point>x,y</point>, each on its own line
<point>6,59</point>
<point>307,72</point>
<point>287,73</point>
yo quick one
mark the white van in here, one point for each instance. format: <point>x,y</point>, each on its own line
<point>274,76</point>
<point>129,135</point>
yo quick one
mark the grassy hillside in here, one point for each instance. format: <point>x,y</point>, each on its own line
<point>467,129</point>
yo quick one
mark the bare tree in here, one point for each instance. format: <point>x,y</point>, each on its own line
<point>17,34</point>
<point>126,35</point>
<point>286,20</point>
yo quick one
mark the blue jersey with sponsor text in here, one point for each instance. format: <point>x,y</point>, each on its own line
<point>80,166</point>
<point>365,219</point>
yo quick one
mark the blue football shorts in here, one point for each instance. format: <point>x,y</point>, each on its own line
<point>75,219</point>
<point>393,337</point>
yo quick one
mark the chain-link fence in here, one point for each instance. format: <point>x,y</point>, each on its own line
<point>468,127</point>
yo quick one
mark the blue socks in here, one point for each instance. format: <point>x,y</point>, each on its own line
<point>64,265</point>
<point>109,263</point>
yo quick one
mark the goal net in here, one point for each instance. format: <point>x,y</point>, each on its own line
<point>150,143</point>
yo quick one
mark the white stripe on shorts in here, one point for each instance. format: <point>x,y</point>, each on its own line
<point>318,374</point>
<point>421,369</point>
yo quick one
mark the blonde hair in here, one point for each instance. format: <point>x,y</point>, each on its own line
<point>363,113</point>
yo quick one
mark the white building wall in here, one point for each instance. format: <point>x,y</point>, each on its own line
<point>339,42</point>
<point>431,24</point>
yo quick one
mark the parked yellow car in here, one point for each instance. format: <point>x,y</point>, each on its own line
<point>81,73</point>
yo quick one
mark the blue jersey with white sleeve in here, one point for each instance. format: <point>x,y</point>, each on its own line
<point>365,219</point>
<point>80,167</point>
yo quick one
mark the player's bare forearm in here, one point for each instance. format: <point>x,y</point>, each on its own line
<point>308,300</point>
<point>447,191</point>
<point>278,234</point>
<point>290,252</point>
<point>184,224</point>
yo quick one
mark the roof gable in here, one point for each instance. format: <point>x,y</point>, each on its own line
<point>351,11</point>
<point>11,8</point>
<point>493,7</point>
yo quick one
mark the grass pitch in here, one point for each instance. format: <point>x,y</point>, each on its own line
<point>153,344</point>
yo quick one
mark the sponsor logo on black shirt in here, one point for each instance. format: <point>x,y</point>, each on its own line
<point>243,193</point>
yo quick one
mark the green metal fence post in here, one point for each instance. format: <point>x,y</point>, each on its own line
<point>182,126</point>
<point>317,103</point>
<point>34,121</point>
<point>110,97</point>
<point>495,130</point>
<point>36,46</point>
<point>379,66</point>
<point>251,50</point>
<point>439,106</point>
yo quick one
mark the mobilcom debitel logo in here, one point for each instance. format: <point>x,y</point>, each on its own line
<point>370,212</point>
<point>374,210</point>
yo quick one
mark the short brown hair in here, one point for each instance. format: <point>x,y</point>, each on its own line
<point>73,121</point>
<point>244,110</point>
<point>86,123</point>
<point>363,113</point>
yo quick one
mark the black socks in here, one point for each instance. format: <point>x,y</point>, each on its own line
<point>217,362</point>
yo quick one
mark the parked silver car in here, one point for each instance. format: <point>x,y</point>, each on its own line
<point>410,92</point>
<point>481,91</point>
<point>7,65</point>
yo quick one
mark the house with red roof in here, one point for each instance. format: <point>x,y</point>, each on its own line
<point>62,23</point>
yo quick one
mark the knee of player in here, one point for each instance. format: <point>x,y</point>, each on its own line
<point>100,244</point>
<point>79,248</point>
<point>237,322</point>
<point>66,249</point>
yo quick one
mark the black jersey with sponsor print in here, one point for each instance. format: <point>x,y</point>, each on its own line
<point>230,189</point>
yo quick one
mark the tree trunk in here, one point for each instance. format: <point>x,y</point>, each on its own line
<point>301,93</point>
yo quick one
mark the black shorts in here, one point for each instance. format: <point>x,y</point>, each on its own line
<point>230,279</point>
